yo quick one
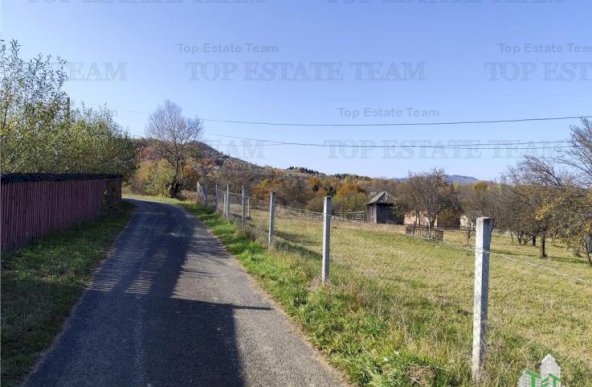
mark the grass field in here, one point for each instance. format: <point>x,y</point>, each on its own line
<point>43,281</point>
<point>398,310</point>
<point>420,293</point>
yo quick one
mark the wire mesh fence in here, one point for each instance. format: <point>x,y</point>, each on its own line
<point>535,307</point>
<point>235,205</point>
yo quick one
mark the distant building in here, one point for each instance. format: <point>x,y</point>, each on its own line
<point>413,219</point>
<point>465,222</point>
<point>379,208</point>
<point>446,219</point>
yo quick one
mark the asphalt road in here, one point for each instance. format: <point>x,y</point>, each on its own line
<point>170,307</point>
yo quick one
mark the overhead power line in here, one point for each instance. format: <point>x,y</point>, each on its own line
<point>477,146</point>
<point>477,122</point>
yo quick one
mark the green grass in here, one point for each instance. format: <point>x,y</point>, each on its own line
<point>398,310</point>
<point>43,281</point>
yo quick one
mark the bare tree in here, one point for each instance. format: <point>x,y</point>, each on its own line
<point>410,199</point>
<point>579,155</point>
<point>475,202</point>
<point>172,134</point>
<point>575,210</point>
<point>430,194</point>
<point>534,184</point>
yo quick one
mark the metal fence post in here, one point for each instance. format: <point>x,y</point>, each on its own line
<point>205,193</point>
<point>271,219</point>
<point>248,207</point>
<point>326,237</point>
<point>482,246</point>
<point>244,207</point>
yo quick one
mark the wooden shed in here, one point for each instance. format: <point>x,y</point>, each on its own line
<point>380,208</point>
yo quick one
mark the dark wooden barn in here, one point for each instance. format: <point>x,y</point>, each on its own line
<point>380,208</point>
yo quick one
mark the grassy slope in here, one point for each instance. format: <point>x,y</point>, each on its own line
<point>427,289</point>
<point>43,281</point>
<point>398,310</point>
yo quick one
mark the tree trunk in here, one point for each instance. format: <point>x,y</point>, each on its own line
<point>174,189</point>
<point>534,240</point>
<point>431,223</point>
<point>468,235</point>
<point>543,246</point>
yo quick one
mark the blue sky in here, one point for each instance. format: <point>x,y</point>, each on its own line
<point>432,60</point>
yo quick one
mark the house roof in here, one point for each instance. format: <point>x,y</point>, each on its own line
<point>381,198</point>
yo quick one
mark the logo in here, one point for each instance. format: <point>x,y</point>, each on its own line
<point>550,375</point>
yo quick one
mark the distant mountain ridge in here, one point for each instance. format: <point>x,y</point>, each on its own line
<point>453,179</point>
<point>459,179</point>
<point>219,158</point>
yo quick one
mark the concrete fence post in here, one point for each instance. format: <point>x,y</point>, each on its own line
<point>243,207</point>
<point>326,237</point>
<point>216,198</point>
<point>205,193</point>
<point>271,219</point>
<point>227,203</point>
<point>482,246</point>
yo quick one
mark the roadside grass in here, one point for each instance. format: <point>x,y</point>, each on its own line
<point>398,310</point>
<point>42,282</point>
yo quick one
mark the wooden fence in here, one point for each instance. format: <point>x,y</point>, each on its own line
<point>424,232</point>
<point>34,205</point>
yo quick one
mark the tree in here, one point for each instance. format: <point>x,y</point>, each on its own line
<point>172,134</point>
<point>95,143</point>
<point>238,173</point>
<point>39,130</point>
<point>428,195</point>
<point>33,110</point>
<point>516,215</point>
<point>534,184</point>
<point>579,154</point>
<point>349,198</point>
<point>470,198</point>
<point>475,201</point>
<point>570,211</point>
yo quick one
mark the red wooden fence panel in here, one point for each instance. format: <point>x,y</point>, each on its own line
<point>33,205</point>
